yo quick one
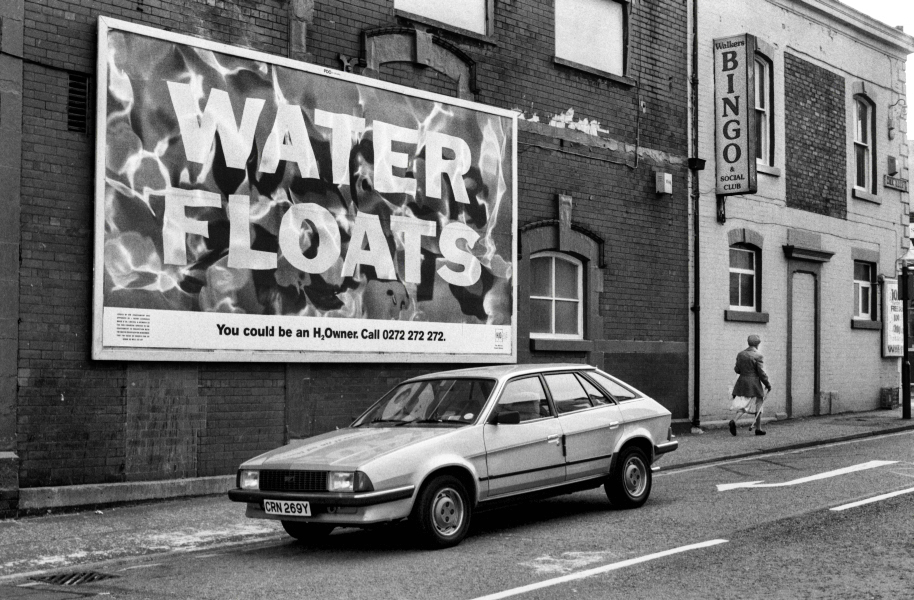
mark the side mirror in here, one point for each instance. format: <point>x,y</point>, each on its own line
<point>508,417</point>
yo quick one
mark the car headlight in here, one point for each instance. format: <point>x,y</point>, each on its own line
<point>249,480</point>
<point>349,481</point>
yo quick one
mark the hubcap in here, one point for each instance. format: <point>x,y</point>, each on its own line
<point>634,477</point>
<point>447,512</point>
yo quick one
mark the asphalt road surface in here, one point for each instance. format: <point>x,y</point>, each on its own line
<point>830,522</point>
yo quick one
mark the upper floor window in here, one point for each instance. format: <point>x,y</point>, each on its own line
<point>764,111</point>
<point>471,15</point>
<point>864,148</point>
<point>745,288</point>
<point>864,291</point>
<point>556,296</point>
<point>592,33</point>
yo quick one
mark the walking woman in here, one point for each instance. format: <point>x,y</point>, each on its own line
<point>748,396</point>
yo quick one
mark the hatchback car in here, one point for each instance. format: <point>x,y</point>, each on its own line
<point>439,447</point>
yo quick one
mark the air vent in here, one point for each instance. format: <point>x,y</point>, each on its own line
<point>78,103</point>
<point>73,578</point>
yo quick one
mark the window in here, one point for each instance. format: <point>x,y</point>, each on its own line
<point>556,296</point>
<point>526,397</point>
<point>764,112</point>
<point>567,393</point>
<point>471,15</point>
<point>745,288</point>
<point>616,389</point>
<point>864,149</point>
<point>864,291</point>
<point>592,33</point>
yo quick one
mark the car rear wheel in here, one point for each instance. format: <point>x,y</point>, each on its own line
<point>442,512</point>
<point>307,532</point>
<point>629,485</point>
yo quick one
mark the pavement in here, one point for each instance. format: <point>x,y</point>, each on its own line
<point>107,539</point>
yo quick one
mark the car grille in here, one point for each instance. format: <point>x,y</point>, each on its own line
<point>293,481</point>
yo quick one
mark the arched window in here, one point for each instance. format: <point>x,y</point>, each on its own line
<point>745,278</point>
<point>864,144</point>
<point>556,296</point>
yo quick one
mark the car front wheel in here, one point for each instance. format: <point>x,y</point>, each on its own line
<point>629,485</point>
<point>307,532</point>
<point>442,513</point>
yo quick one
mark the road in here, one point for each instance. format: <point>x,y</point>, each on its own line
<point>753,528</point>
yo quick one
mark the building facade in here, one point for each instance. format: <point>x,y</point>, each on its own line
<point>807,259</point>
<point>598,123</point>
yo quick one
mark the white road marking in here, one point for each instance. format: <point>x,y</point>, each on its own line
<point>674,470</point>
<point>873,499</point>
<point>722,487</point>
<point>598,570</point>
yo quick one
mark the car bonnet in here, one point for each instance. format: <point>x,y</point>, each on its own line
<point>346,449</point>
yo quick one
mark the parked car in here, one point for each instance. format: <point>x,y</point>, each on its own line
<point>437,448</point>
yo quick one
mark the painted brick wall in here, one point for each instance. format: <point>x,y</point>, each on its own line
<point>81,421</point>
<point>814,101</point>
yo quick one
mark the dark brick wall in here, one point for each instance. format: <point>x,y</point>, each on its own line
<point>81,421</point>
<point>814,120</point>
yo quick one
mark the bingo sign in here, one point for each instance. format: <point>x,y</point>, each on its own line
<point>734,112</point>
<point>254,208</point>
<point>893,326</point>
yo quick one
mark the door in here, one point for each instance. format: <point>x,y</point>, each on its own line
<point>590,422</point>
<point>803,345</point>
<point>526,455</point>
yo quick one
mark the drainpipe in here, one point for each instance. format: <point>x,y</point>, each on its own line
<point>695,165</point>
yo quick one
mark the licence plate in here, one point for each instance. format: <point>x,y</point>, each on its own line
<point>287,508</point>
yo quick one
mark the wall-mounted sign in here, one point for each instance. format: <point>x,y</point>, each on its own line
<point>734,115</point>
<point>254,208</point>
<point>892,324</point>
<point>896,183</point>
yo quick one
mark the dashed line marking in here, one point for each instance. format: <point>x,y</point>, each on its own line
<point>598,570</point>
<point>873,499</point>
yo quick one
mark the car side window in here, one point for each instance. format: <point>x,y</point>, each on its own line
<point>567,393</point>
<point>525,396</point>
<point>615,389</point>
<point>597,397</point>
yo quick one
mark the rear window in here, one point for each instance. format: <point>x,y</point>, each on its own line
<point>616,389</point>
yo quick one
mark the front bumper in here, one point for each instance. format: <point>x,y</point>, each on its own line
<point>325,498</point>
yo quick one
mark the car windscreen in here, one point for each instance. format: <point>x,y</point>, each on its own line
<point>455,401</point>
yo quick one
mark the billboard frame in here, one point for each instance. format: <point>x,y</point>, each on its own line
<point>101,352</point>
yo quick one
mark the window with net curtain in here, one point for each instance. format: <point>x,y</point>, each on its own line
<point>556,296</point>
<point>863,291</point>
<point>744,279</point>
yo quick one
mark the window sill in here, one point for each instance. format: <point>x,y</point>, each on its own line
<point>627,81</point>
<point>745,316</point>
<point>866,324</point>
<point>553,345</point>
<point>479,37</point>
<point>773,171</point>
<point>866,196</point>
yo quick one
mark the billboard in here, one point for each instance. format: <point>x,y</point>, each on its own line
<point>734,115</point>
<point>892,323</point>
<point>255,208</point>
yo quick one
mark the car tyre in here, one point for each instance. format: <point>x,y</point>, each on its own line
<point>307,532</point>
<point>442,512</point>
<point>629,485</point>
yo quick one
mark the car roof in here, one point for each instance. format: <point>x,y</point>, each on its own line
<point>504,371</point>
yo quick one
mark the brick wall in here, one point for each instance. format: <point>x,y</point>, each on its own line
<point>81,421</point>
<point>814,111</point>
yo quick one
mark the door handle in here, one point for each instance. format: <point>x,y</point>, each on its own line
<point>614,424</point>
<point>554,439</point>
